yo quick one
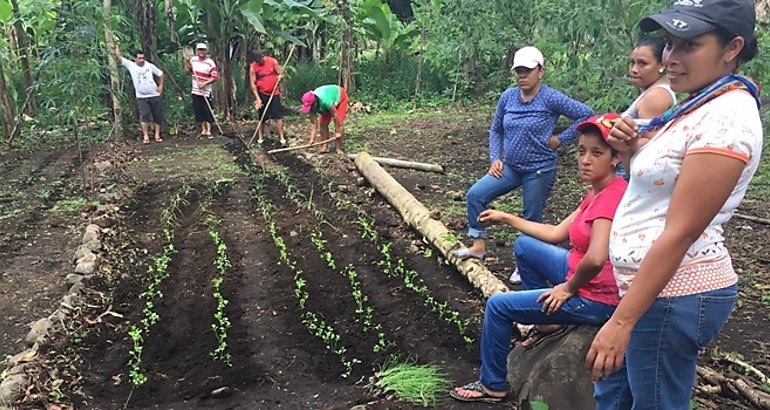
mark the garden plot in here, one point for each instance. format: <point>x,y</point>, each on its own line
<point>271,289</point>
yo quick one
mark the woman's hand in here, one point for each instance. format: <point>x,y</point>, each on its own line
<point>554,142</point>
<point>624,136</point>
<point>492,217</point>
<point>496,169</point>
<point>608,350</point>
<point>555,297</point>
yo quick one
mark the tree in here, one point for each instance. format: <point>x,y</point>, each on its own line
<point>117,108</point>
<point>24,53</point>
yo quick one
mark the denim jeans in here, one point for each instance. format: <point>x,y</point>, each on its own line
<point>522,307</point>
<point>535,187</point>
<point>659,369</point>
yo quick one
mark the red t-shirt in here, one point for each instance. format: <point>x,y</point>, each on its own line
<point>602,288</point>
<point>266,75</point>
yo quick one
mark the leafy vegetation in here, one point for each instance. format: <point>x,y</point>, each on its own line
<point>415,383</point>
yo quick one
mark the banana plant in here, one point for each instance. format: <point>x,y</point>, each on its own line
<point>383,27</point>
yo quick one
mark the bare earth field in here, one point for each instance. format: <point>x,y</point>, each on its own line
<point>308,247</point>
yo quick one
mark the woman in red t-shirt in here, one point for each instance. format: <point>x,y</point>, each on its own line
<point>560,286</point>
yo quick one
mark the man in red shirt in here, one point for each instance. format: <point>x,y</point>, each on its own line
<point>265,74</point>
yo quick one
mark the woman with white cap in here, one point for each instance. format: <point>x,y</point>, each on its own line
<point>522,146</point>
<point>330,102</point>
<point>675,276</point>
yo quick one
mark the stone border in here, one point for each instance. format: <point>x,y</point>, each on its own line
<point>85,260</point>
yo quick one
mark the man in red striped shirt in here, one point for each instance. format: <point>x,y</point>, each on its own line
<point>204,72</point>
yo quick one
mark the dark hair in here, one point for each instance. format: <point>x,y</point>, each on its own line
<point>594,130</point>
<point>749,48</point>
<point>139,51</point>
<point>657,44</point>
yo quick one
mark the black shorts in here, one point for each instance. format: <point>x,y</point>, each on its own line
<point>150,109</point>
<point>201,109</point>
<point>275,110</point>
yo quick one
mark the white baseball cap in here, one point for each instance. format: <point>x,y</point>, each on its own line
<point>528,57</point>
<point>201,46</point>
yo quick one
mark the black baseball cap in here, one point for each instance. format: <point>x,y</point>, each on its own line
<point>691,18</point>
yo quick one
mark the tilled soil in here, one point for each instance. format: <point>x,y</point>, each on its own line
<point>277,363</point>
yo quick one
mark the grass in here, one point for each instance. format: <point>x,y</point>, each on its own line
<point>415,383</point>
<point>71,205</point>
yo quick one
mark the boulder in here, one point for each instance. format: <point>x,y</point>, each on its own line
<point>12,387</point>
<point>39,331</point>
<point>73,278</point>
<point>80,252</point>
<point>551,371</point>
<point>86,265</point>
<point>93,245</point>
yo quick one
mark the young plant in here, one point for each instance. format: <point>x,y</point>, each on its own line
<point>417,384</point>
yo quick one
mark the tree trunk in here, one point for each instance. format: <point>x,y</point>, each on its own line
<point>347,79</point>
<point>397,163</point>
<point>21,38</point>
<point>419,69</point>
<point>9,120</point>
<point>117,109</point>
<point>148,30</point>
<point>419,217</point>
<point>171,22</point>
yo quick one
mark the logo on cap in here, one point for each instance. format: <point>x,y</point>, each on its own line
<point>677,24</point>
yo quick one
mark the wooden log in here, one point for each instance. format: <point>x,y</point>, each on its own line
<point>419,217</point>
<point>275,151</point>
<point>752,218</point>
<point>420,166</point>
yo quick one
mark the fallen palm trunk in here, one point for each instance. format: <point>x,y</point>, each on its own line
<point>420,166</point>
<point>419,217</point>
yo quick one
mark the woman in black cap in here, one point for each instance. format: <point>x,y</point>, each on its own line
<point>675,276</point>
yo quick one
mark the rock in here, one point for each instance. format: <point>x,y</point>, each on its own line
<point>76,288</point>
<point>80,252</point>
<point>39,331</point>
<point>57,316</point>
<point>86,265</point>
<point>221,392</point>
<point>103,221</point>
<point>24,357</point>
<point>552,371</point>
<point>103,166</point>
<point>73,278</point>
<point>93,245</point>
<point>102,209</point>
<point>293,233</point>
<point>361,181</point>
<point>94,228</point>
<point>69,300</point>
<point>414,249</point>
<point>359,407</point>
<point>89,236</point>
<point>12,387</point>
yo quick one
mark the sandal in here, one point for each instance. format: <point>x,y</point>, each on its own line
<point>478,388</point>
<point>158,139</point>
<point>146,141</point>
<point>535,336</point>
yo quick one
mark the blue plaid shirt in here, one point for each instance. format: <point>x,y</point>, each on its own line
<point>520,130</point>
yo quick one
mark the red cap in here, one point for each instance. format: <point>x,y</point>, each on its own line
<point>603,123</point>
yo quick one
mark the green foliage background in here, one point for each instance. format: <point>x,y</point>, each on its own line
<point>467,51</point>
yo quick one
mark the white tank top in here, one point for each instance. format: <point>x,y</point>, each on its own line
<point>633,113</point>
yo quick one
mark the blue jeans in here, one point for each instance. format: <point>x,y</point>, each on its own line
<point>522,307</point>
<point>659,369</point>
<point>535,187</point>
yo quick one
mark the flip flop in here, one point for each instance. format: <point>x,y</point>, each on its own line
<point>146,142</point>
<point>158,139</point>
<point>476,387</point>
